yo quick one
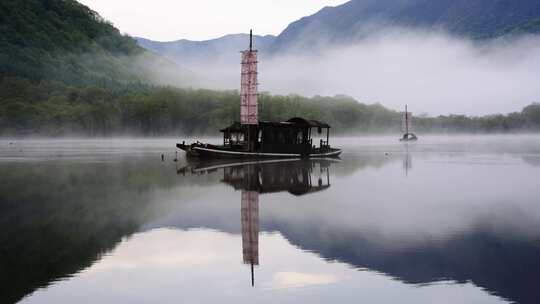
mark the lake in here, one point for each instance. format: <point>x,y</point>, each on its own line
<point>444,220</point>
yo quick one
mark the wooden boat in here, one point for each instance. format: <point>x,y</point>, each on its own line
<point>251,138</point>
<point>290,139</point>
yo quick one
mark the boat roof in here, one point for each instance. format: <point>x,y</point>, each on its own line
<point>296,122</point>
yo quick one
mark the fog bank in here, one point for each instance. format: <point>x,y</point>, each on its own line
<point>433,72</point>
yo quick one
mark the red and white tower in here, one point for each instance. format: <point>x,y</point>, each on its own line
<point>249,107</point>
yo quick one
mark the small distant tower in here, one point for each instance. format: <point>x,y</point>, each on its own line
<point>406,126</point>
<point>406,122</point>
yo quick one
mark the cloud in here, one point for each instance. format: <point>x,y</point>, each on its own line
<point>299,279</point>
<point>433,72</point>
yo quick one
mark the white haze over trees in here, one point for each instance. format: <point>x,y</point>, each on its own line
<point>433,72</point>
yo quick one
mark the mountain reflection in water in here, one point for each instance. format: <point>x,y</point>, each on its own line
<point>415,222</point>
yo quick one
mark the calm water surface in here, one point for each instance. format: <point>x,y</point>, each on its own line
<point>444,220</point>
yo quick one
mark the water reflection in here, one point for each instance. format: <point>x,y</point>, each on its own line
<point>407,160</point>
<point>298,177</point>
<point>250,230</point>
<point>477,252</point>
<point>366,225</point>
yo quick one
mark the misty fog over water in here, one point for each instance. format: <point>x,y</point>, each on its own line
<point>433,72</point>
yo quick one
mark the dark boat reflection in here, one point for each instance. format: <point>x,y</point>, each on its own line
<point>298,177</point>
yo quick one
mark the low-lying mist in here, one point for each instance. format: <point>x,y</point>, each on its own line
<point>432,72</point>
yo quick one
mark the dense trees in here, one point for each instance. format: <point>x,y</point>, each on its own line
<point>54,108</point>
<point>62,40</point>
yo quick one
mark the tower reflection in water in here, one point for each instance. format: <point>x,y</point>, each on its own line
<point>407,160</point>
<point>298,177</point>
<point>250,230</point>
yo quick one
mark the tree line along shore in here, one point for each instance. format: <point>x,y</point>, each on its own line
<point>52,108</point>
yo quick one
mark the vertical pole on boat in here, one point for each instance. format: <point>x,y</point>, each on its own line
<point>250,40</point>
<point>250,149</point>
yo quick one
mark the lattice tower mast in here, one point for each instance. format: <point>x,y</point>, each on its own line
<point>249,110</point>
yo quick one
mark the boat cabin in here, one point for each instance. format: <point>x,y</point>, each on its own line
<point>292,136</point>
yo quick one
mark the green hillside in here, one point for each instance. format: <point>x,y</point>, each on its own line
<point>66,41</point>
<point>64,70</point>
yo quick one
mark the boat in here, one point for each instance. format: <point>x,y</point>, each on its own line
<point>251,138</point>
<point>409,137</point>
<point>406,123</point>
<point>289,139</point>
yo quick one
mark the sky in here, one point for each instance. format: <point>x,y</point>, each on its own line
<point>167,20</point>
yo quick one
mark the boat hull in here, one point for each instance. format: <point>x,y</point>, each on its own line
<point>409,137</point>
<point>211,152</point>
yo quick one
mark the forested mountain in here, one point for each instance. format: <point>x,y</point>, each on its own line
<point>356,19</point>
<point>350,23</point>
<point>64,70</point>
<point>67,41</point>
<point>475,19</point>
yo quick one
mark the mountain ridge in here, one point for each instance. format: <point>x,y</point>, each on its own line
<point>357,19</point>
